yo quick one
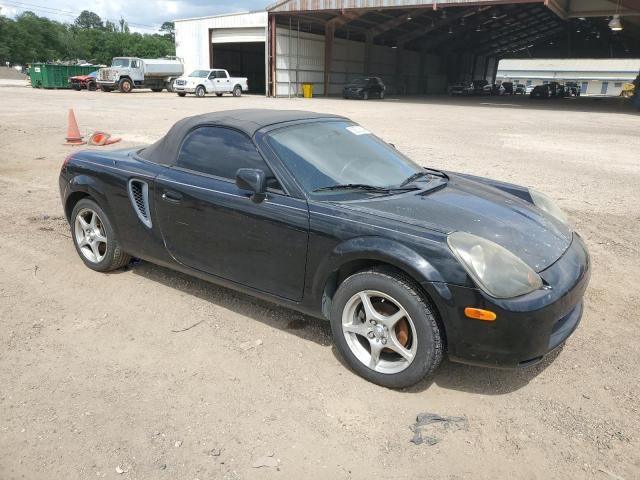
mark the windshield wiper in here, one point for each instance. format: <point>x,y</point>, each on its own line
<point>353,186</point>
<point>424,173</point>
<point>364,187</point>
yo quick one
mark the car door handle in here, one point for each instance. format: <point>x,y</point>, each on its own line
<point>171,196</point>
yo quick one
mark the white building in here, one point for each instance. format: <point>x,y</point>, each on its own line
<point>596,76</point>
<point>236,42</point>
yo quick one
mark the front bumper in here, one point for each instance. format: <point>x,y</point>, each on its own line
<point>184,89</point>
<point>349,93</point>
<point>527,327</point>
<point>108,83</point>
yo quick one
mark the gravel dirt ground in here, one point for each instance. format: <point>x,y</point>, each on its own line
<point>95,383</point>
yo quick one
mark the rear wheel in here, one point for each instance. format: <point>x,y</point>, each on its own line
<point>200,91</point>
<point>365,95</point>
<point>94,238</point>
<point>182,94</point>
<point>382,95</point>
<point>125,85</point>
<point>385,329</point>
<point>237,91</point>
<point>171,86</point>
<point>91,87</point>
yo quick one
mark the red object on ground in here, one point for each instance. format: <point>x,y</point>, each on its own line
<point>73,132</point>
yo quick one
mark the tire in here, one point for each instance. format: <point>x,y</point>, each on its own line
<point>382,95</point>
<point>182,94</point>
<point>365,95</point>
<point>218,94</point>
<point>171,86</point>
<point>125,85</point>
<point>101,256</point>
<point>237,91</point>
<point>157,90</point>
<point>416,331</point>
<point>200,91</point>
<point>91,87</point>
<point>106,89</point>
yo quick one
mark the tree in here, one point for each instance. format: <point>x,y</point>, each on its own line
<point>168,29</point>
<point>88,19</point>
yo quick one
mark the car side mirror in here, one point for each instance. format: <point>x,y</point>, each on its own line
<point>253,180</point>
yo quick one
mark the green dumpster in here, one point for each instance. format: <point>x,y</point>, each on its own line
<point>53,75</point>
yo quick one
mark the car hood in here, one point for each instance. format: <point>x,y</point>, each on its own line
<point>470,206</point>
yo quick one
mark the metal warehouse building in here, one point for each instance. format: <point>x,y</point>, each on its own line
<point>415,46</point>
<point>596,76</point>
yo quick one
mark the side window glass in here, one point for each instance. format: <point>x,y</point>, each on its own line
<point>221,152</point>
<point>212,75</point>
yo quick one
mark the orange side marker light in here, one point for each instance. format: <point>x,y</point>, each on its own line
<point>480,314</point>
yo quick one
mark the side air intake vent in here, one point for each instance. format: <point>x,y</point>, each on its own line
<point>139,195</point>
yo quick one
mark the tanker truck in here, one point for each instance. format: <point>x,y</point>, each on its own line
<point>127,73</point>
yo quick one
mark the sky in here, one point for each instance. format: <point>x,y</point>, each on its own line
<point>142,15</point>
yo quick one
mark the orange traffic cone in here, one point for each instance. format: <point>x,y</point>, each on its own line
<point>73,132</point>
<point>102,138</point>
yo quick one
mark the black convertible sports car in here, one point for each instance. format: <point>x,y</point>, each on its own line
<point>314,212</point>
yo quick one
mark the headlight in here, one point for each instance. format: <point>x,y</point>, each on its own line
<point>495,269</point>
<point>543,202</point>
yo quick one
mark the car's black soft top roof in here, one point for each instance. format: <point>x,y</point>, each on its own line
<point>165,150</point>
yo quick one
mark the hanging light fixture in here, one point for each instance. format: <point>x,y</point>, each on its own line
<point>615,24</point>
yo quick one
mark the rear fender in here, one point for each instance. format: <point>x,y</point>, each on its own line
<point>93,188</point>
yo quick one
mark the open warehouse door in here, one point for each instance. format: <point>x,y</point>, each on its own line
<point>242,53</point>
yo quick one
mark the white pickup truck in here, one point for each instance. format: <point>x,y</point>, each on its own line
<point>217,80</point>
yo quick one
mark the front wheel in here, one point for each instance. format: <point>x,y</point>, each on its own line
<point>382,95</point>
<point>182,94</point>
<point>200,91</point>
<point>94,238</point>
<point>385,329</point>
<point>125,85</point>
<point>237,91</point>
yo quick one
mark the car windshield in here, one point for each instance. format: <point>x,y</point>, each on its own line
<point>330,153</point>
<point>199,73</point>
<point>120,62</point>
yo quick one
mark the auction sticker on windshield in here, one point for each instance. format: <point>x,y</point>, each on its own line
<point>358,130</point>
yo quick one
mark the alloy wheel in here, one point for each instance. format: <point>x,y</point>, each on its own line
<point>90,235</point>
<point>379,332</point>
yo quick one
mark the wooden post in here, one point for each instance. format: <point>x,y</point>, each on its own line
<point>329,31</point>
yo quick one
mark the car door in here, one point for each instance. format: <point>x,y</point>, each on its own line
<point>210,83</point>
<point>222,82</point>
<point>209,224</point>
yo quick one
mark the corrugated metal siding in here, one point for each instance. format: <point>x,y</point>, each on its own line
<point>298,61</point>
<point>630,65</point>
<point>399,70</point>
<point>311,5</point>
